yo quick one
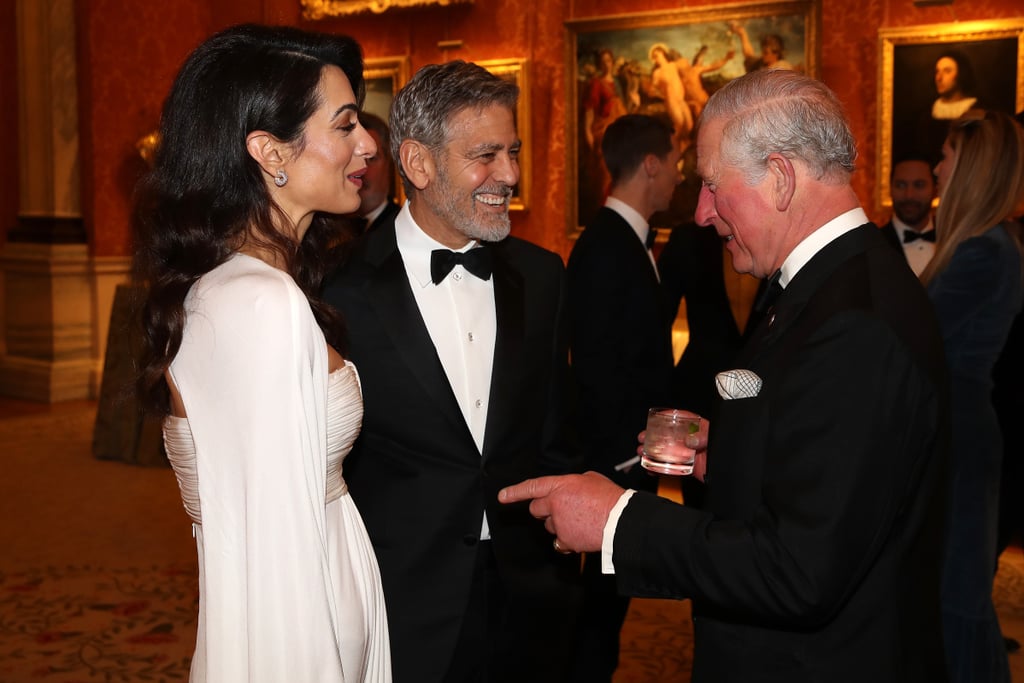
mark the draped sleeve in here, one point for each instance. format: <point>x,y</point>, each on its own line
<point>252,373</point>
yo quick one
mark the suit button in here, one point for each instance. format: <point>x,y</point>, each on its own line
<point>469,539</point>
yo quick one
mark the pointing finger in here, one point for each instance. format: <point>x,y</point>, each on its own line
<point>525,490</point>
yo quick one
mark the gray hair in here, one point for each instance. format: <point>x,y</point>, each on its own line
<point>423,109</point>
<point>781,111</point>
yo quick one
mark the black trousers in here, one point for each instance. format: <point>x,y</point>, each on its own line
<point>513,638</point>
<point>596,647</point>
<point>483,616</point>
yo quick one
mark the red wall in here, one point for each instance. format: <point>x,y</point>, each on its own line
<point>8,114</point>
<point>128,59</point>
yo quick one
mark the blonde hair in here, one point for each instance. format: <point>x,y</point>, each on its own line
<point>985,183</point>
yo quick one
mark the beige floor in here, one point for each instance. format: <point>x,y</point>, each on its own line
<point>59,506</point>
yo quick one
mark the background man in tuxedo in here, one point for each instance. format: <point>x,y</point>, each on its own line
<point>817,554</point>
<point>692,269</point>
<point>378,206</point>
<point>911,229</point>
<point>621,341</point>
<point>459,336</point>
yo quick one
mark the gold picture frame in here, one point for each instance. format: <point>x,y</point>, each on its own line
<point>322,9</point>
<point>907,57</point>
<point>700,37</point>
<point>517,71</point>
<point>384,77</point>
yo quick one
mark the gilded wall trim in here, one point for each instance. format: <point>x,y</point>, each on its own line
<point>320,9</point>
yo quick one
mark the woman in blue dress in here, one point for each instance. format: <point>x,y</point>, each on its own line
<point>974,281</point>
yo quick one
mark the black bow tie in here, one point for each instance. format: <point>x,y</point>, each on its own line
<point>652,235</point>
<point>476,261</point>
<point>771,291</point>
<point>909,236</point>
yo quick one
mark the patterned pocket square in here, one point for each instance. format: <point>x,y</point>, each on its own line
<point>737,384</point>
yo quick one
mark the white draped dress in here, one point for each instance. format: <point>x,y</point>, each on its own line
<point>289,589</point>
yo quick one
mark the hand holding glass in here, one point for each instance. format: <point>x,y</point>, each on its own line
<point>665,450</point>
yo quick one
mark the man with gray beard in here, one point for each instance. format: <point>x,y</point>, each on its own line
<point>459,336</point>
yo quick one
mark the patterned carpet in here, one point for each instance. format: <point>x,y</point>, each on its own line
<point>85,623</point>
<point>98,574</point>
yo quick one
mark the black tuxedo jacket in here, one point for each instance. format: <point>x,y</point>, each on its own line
<point>415,472</point>
<point>691,269</point>
<point>386,217</point>
<point>621,341</point>
<point>889,232</point>
<point>817,556</point>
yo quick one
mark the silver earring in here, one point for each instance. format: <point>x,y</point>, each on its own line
<point>281,179</point>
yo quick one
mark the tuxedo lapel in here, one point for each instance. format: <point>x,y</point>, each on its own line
<point>509,304</point>
<point>795,296</point>
<point>400,318</point>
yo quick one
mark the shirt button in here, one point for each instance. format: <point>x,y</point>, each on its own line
<point>470,336</point>
<point>479,403</point>
<point>457,277</point>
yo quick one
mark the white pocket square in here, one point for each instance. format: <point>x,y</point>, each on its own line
<point>737,384</point>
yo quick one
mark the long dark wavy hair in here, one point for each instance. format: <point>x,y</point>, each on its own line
<point>205,195</point>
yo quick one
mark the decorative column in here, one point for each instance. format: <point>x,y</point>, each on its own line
<point>50,304</point>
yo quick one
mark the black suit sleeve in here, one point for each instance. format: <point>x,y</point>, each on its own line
<point>822,468</point>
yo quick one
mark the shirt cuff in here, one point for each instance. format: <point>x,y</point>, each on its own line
<point>608,539</point>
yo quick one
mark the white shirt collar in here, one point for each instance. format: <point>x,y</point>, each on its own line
<point>415,246</point>
<point>631,216</point>
<point>372,216</point>
<point>817,240</point>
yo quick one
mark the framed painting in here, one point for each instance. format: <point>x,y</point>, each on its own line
<point>384,77</point>
<point>321,9</point>
<point>929,75</point>
<point>516,71</point>
<point>668,64</point>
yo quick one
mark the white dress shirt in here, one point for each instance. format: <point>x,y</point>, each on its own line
<point>460,317</point>
<point>797,259</point>
<point>919,252</point>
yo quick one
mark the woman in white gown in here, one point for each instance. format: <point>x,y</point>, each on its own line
<point>260,133</point>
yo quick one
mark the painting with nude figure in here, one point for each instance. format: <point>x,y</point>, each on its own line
<point>668,64</point>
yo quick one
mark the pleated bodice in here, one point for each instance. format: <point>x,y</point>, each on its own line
<point>344,417</point>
